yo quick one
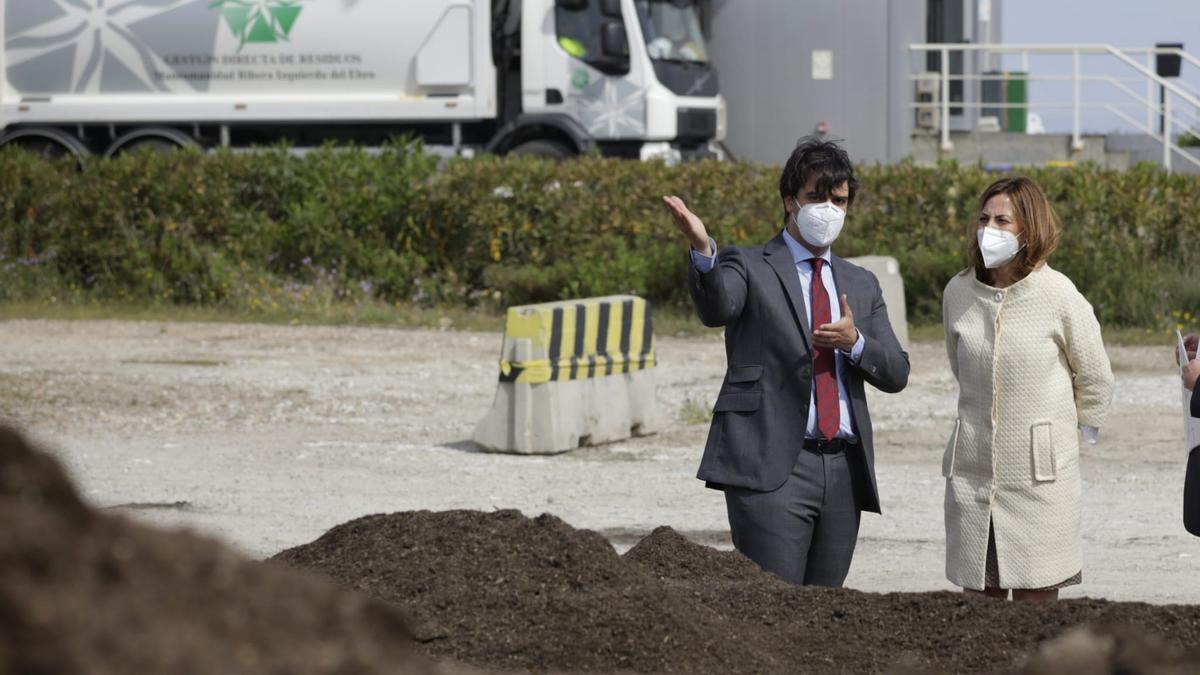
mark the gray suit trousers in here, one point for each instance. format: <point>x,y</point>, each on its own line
<point>804,531</point>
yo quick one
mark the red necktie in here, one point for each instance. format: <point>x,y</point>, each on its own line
<point>829,411</point>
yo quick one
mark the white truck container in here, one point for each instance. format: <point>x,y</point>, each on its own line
<point>549,77</point>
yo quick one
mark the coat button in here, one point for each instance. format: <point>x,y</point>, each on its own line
<point>999,297</point>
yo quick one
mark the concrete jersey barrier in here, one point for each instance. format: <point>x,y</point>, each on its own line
<point>887,270</point>
<point>573,373</point>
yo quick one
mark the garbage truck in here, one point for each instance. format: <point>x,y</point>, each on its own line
<point>557,78</point>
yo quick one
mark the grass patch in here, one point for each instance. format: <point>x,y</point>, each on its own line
<point>678,322</point>
<point>695,411</point>
<point>1140,337</point>
<point>668,321</point>
<point>202,363</point>
<point>13,390</point>
<point>348,314</point>
<point>930,332</point>
<point>1122,337</point>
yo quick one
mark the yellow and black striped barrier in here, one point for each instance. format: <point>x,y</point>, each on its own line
<point>573,373</point>
<point>579,339</point>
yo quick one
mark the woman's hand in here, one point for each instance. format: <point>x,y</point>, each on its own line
<point>689,224</point>
<point>1191,371</point>
<point>1190,343</point>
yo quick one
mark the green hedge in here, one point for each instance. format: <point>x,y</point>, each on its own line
<point>271,227</point>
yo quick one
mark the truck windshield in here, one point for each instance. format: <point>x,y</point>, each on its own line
<point>672,30</point>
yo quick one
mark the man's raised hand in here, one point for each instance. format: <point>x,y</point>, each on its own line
<point>689,224</point>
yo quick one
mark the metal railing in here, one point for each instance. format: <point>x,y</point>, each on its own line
<point>1174,117</point>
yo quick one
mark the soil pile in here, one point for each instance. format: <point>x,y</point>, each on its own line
<point>83,591</point>
<point>917,632</point>
<point>1111,650</point>
<point>502,590</point>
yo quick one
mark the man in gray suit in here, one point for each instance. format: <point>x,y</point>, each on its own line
<point>790,442</point>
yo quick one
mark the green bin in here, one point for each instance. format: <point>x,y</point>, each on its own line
<point>1016,90</point>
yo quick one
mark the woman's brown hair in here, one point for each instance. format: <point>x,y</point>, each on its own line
<point>1039,225</point>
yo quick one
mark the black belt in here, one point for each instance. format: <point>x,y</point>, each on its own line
<point>828,446</point>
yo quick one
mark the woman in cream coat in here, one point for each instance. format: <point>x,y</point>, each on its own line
<point>1026,349</point>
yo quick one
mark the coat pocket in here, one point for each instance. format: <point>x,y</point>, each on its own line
<point>741,391</point>
<point>743,374</point>
<point>1041,444</point>
<point>951,451</point>
<point>738,401</point>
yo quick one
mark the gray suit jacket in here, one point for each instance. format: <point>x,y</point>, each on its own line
<point>761,413</point>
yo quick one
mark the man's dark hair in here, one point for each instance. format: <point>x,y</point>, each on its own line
<point>816,157</point>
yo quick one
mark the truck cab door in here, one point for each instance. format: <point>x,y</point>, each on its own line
<point>589,65</point>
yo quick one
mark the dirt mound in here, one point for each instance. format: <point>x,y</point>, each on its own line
<point>87,592</point>
<point>502,590</point>
<point>34,479</point>
<point>83,591</point>
<point>671,556</point>
<point>916,632</point>
<point>1111,649</point>
<point>505,591</point>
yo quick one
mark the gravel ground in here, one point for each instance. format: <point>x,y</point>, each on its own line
<point>267,436</point>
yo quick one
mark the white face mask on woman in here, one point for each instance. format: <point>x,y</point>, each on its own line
<point>998,246</point>
<point>820,224</point>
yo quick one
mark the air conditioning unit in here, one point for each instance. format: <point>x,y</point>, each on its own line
<point>928,85</point>
<point>929,116</point>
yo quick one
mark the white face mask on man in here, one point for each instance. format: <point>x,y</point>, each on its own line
<point>998,246</point>
<point>820,224</point>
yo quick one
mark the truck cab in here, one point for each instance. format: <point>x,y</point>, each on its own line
<point>634,74</point>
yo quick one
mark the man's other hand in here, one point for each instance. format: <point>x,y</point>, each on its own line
<point>840,334</point>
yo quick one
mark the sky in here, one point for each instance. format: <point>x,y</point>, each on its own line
<point>1121,23</point>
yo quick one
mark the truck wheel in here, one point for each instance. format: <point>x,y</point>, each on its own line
<point>150,139</point>
<point>47,143</point>
<point>155,145</point>
<point>542,148</point>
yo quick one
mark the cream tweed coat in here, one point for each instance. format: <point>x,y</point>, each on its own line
<point>1031,369</point>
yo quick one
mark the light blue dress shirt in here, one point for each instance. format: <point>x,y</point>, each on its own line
<point>801,256</point>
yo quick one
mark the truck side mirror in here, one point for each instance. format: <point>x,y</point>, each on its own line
<point>613,42</point>
<point>573,5</point>
<point>613,58</point>
<point>611,8</point>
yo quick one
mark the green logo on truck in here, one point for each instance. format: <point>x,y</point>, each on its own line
<point>260,21</point>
